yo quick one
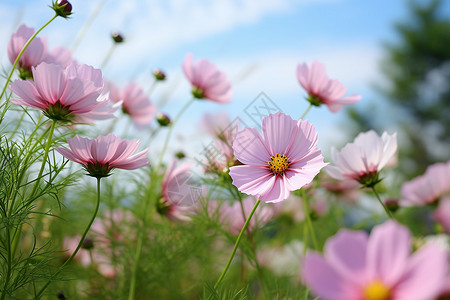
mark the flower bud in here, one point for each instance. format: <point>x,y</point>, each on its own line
<point>392,204</point>
<point>117,37</point>
<point>87,244</point>
<point>62,8</point>
<point>180,155</point>
<point>60,295</point>
<point>163,119</point>
<point>159,75</point>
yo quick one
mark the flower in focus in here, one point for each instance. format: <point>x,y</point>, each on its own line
<point>380,267</point>
<point>233,220</point>
<point>99,156</point>
<point>427,188</point>
<point>62,8</point>
<point>283,159</point>
<point>32,56</point>
<point>321,89</point>
<point>135,103</point>
<point>363,159</point>
<point>207,82</point>
<point>69,95</point>
<point>179,194</point>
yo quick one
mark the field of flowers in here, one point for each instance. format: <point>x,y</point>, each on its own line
<point>86,214</point>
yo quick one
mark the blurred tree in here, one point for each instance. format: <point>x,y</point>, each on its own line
<point>417,69</point>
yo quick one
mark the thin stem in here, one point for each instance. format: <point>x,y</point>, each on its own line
<point>17,60</point>
<point>44,160</point>
<point>18,123</point>
<point>238,240</point>
<point>166,142</point>
<point>306,111</point>
<point>308,220</point>
<point>97,205</point>
<point>381,202</point>
<point>86,25</point>
<point>137,255</point>
<point>108,56</point>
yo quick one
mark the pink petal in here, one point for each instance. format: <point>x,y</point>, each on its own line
<point>278,130</point>
<point>388,251</point>
<point>250,149</point>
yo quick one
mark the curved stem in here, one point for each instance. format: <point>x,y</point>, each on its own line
<point>18,57</point>
<point>306,111</point>
<point>382,204</point>
<point>166,142</point>
<point>238,240</point>
<point>44,160</point>
<point>97,205</point>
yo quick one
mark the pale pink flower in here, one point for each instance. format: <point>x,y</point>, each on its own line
<point>99,156</point>
<point>70,244</point>
<point>427,188</point>
<point>233,219</point>
<point>71,95</point>
<point>59,56</point>
<point>380,267</point>
<point>283,159</point>
<point>364,158</point>
<point>442,213</point>
<point>135,103</point>
<point>207,82</point>
<point>179,193</point>
<point>34,53</point>
<point>347,190</point>
<point>321,89</point>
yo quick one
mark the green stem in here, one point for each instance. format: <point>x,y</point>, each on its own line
<point>382,204</point>
<point>238,240</point>
<point>137,255</point>
<point>18,123</point>
<point>44,160</point>
<point>17,60</point>
<point>97,205</point>
<point>166,142</point>
<point>308,221</point>
<point>306,111</point>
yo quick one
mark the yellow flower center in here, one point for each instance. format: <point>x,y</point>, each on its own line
<point>377,290</point>
<point>278,163</point>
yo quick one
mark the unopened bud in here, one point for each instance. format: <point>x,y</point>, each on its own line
<point>392,204</point>
<point>180,155</point>
<point>159,75</point>
<point>60,295</point>
<point>117,37</point>
<point>87,244</point>
<point>62,8</point>
<point>163,119</point>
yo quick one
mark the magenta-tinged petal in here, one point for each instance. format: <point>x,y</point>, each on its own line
<point>28,94</point>
<point>346,252</point>
<point>325,282</point>
<point>250,149</point>
<point>425,275</point>
<point>252,180</point>
<point>278,130</point>
<point>387,253</point>
<point>49,81</point>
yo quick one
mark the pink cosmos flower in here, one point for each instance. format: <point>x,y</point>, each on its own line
<point>135,103</point>
<point>207,82</point>
<point>321,89</point>
<point>70,95</point>
<point>427,188</point>
<point>283,159</point>
<point>99,156</point>
<point>34,53</point>
<point>379,267</point>
<point>364,158</point>
<point>179,194</point>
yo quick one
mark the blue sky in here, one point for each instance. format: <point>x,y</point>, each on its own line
<point>264,39</point>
